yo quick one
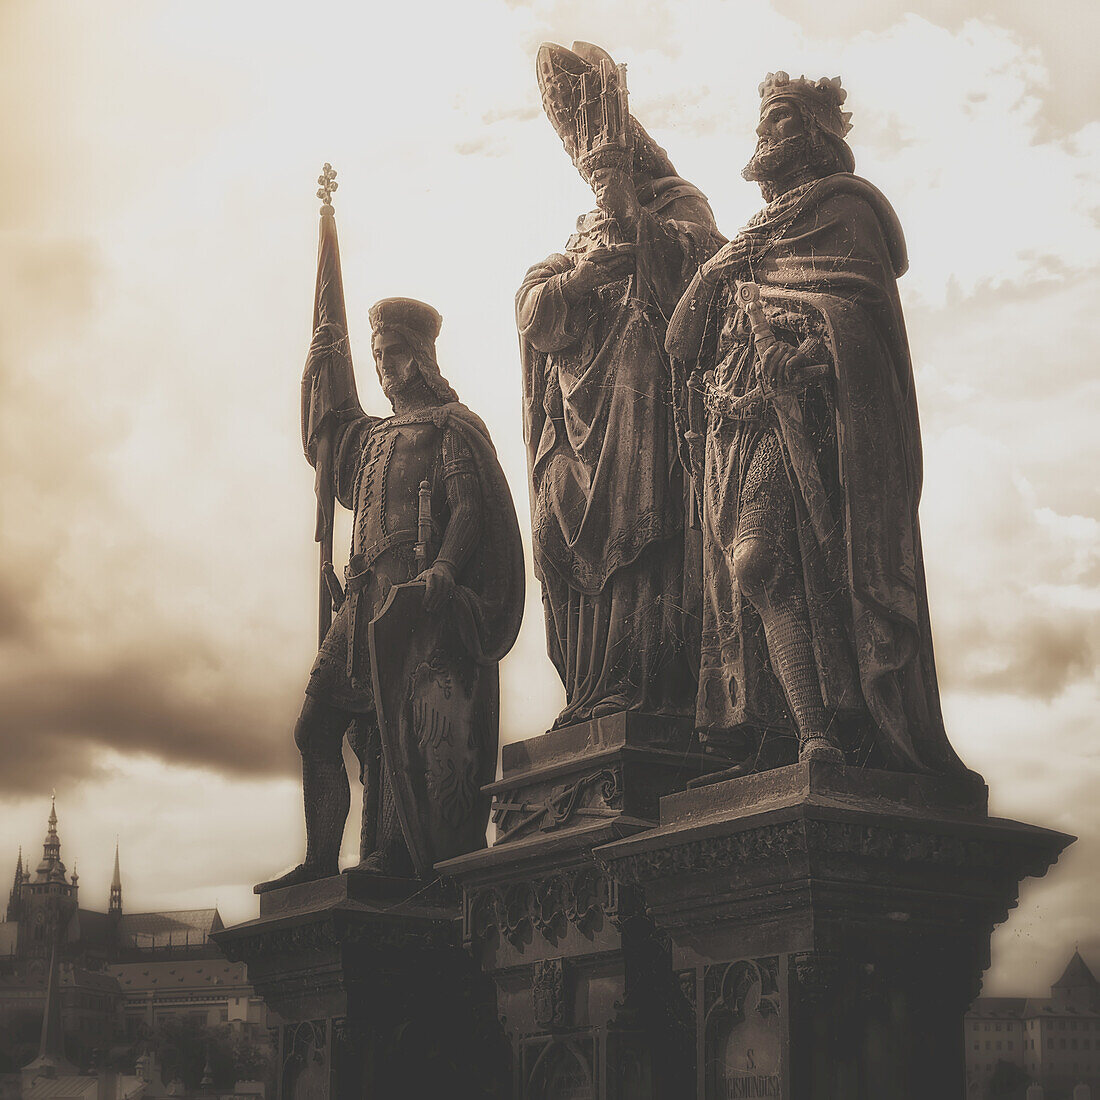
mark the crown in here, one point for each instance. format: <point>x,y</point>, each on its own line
<point>584,95</point>
<point>823,98</point>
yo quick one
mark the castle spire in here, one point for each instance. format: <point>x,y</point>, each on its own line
<point>13,898</point>
<point>115,904</point>
<point>51,869</point>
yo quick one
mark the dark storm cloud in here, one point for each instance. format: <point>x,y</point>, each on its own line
<point>1036,656</point>
<point>54,722</point>
<point>1045,658</point>
<point>74,681</point>
<point>13,615</point>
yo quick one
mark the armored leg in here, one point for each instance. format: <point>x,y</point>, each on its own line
<point>319,735</point>
<point>765,562</point>
<point>367,745</point>
<point>392,850</point>
<point>382,842</point>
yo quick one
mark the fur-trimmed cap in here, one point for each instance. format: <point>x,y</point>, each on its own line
<point>407,313</point>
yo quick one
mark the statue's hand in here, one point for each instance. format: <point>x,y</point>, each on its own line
<point>327,338</point>
<point>618,199</point>
<point>439,584</point>
<point>781,362</point>
<point>601,266</point>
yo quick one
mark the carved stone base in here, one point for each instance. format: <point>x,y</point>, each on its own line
<point>830,925</point>
<point>376,995</point>
<point>585,985</point>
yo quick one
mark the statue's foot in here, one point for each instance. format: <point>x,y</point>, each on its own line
<point>614,705</point>
<point>374,864</point>
<point>820,748</point>
<point>304,872</point>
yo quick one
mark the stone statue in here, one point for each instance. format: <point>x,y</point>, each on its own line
<point>799,423</point>
<point>620,588</point>
<point>433,600</point>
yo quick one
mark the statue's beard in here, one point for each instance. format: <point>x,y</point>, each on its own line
<point>774,161</point>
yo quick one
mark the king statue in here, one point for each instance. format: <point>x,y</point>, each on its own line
<point>434,595</point>
<point>795,390</point>
<point>619,567</point>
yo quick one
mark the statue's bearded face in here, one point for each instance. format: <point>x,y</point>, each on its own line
<point>783,144</point>
<point>396,363</point>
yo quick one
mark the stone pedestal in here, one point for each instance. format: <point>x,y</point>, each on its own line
<point>585,985</point>
<point>829,925</point>
<point>376,995</point>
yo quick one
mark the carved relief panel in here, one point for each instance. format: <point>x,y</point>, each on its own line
<point>745,1029</point>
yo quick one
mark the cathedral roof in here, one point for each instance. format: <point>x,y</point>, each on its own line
<point>91,927</point>
<point>182,925</point>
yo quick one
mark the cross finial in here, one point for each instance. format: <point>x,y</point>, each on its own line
<point>327,180</point>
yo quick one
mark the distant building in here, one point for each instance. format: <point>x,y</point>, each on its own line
<point>51,1075</point>
<point>119,975</point>
<point>208,992</point>
<point>1055,1040</point>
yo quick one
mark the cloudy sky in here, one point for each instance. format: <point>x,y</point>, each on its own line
<point>157,241</point>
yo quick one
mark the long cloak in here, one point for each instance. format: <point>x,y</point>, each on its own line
<point>832,253</point>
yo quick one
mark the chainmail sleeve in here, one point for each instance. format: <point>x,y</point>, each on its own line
<point>464,500</point>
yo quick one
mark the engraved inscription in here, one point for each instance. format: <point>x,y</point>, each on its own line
<point>745,1030</point>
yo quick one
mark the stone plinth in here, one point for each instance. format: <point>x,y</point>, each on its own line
<point>376,994</point>
<point>585,984</point>
<point>830,925</point>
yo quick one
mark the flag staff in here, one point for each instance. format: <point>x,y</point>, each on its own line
<point>328,388</point>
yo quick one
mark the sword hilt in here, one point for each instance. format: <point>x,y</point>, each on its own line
<point>424,527</point>
<point>332,583</point>
<point>748,298</point>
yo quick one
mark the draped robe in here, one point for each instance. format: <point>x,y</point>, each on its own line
<point>607,488</point>
<point>826,259</point>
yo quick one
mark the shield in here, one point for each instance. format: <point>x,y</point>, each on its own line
<point>438,713</point>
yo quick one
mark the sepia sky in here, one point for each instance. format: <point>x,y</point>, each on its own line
<point>157,245</point>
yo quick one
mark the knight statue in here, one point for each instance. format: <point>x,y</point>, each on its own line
<point>432,598</point>
<point>799,424</point>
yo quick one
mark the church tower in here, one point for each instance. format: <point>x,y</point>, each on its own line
<point>114,906</point>
<point>48,902</point>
